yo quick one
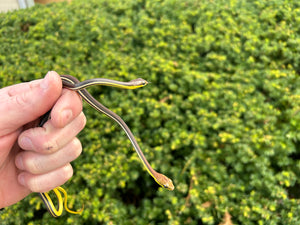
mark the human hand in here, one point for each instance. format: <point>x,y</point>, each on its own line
<point>37,159</point>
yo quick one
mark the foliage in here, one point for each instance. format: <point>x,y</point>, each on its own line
<point>221,116</point>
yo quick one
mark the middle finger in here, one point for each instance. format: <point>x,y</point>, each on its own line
<point>49,139</point>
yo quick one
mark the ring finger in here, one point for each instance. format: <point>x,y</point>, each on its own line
<point>36,163</point>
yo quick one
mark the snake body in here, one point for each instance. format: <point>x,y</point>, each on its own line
<point>72,83</point>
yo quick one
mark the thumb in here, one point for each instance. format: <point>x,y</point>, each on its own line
<point>25,102</point>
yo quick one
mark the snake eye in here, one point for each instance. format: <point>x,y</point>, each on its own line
<point>165,186</point>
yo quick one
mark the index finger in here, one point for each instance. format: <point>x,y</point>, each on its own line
<point>67,108</point>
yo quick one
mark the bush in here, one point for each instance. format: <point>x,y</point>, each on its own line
<point>221,116</point>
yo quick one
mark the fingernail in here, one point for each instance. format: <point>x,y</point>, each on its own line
<point>19,162</point>
<point>21,179</point>
<point>26,143</point>
<point>45,82</point>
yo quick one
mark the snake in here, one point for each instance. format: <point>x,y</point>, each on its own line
<point>72,83</point>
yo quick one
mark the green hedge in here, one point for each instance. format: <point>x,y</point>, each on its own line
<point>221,116</point>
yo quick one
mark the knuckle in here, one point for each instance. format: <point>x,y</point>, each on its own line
<point>67,172</point>
<point>76,147</point>
<point>82,120</point>
<point>31,164</point>
<point>22,99</point>
<point>33,184</point>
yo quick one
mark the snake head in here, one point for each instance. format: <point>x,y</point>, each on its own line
<point>139,82</point>
<point>165,182</point>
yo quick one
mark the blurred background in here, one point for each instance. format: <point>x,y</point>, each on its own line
<point>6,5</point>
<point>221,116</point>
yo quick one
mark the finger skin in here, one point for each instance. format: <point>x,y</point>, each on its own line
<point>49,139</point>
<point>36,163</point>
<point>27,102</point>
<point>47,181</point>
<point>52,148</point>
<point>43,161</point>
<point>66,108</point>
